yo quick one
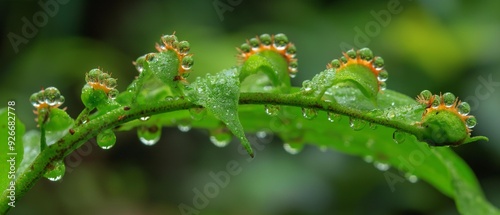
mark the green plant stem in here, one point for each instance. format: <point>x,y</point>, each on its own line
<point>82,116</point>
<point>112,119</point>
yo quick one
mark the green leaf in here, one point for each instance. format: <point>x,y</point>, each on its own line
<point>57,126</point>
<point>31,142</point>
<point>468,195</point>
<point>439,166</point>
<point>164,65</point>
<point>219,94</point>
<point>11,147</point>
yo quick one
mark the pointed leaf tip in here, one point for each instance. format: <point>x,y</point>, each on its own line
<point>247,146</point>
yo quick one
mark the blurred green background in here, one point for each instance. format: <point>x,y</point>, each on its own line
<point>441,46</point>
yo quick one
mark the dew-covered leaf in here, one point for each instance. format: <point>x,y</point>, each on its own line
<point>219,94</point>
<point>447,172</point>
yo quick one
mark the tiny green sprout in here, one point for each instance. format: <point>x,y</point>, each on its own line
<point>445,121</point>
<point>99,88</point>
<point>358,69</point>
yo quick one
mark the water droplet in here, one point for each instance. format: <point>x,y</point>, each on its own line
<point>449,99</point>
<point>272,110</point>
<point>280,41</point>
<point>381,166</point>
<point>197,114</point>
<point>366,54</point>
<point>383,76</point>
<point>293,67</point>
<point>169,38</point>
<point>34,100</point>
<point>368,159</point>
<point>293,148</point>
<point>378,63</point>
<point>335,63</point>
<point>291,50</point>
<point>145,118</point>
<point>113,93</point>
<point>292,75</point>
<point>309,113</point>
<point>51,101</point>
<point>470,122</point>
<point>106,139</point>
<point>426,94</point>
<point>254,42</point>
<point>383,85</point>
<point>261,134</point>
<point>333,117</point>
<point>183,47</point>
<point>323,148</point>
<point>463,108</point>
<point>221,138</point>
<point>391,114</point>
<point>245,48</point>
<point>184,128</point>
<point>307,86</point>
<point>373,126</point>
<point>351,54</point>
<point>411,178</point>
<point>110,83</point>
<point>265,39</point>
<point>139,67</point>
<point>57,172</point>
<point>399,136</point>
<point>61,100</point>
<point>187,62</point>
<point>357,124</point>
<point>149,135</point>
